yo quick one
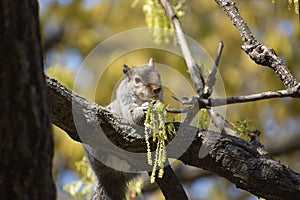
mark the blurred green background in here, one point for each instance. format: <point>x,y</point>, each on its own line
<point>72,28</point>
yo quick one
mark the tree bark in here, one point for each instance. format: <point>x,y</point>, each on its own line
<point>26,136</point>
<point>228,156</point>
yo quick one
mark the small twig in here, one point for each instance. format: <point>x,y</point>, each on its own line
<point>220,123</point>
<point>195,70</point>
<point>250,98</point>
<point>184,100</point>
<point>178,110</point>
<point>193,112</point>
<point>214,102</point>
<point>211,79</point>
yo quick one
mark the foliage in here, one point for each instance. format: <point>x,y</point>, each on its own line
<point>203,119</point>
<point>295,4</point>
<point>135,188</point>
<point>82,188</point>
<point>156,18</point>
<point>155,126</point>
<point>292,3</point>
<point>243,127</point>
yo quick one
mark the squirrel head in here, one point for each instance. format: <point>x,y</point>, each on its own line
<point>145,81</point>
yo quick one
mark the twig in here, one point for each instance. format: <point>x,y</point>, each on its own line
<point>249,98</point>
<point>178,110</point>
<point>193,112</point>
<point>220,123</point>
<point>184,100</point>
<point>214,102</point>
<point>196,72</point>
<point>211,79</point>
<point>259,53</point>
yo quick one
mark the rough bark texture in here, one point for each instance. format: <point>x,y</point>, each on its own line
<point>228,156</point>
<point>236,160</point>
<point>26,139</point>
<point>259,53</point>
<point>168,183</point>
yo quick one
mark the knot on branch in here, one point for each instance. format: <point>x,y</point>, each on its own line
<point>262,55</point>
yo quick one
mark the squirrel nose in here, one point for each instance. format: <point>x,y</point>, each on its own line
<point>156,88</point>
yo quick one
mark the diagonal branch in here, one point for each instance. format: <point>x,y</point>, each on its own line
<point>170,185</point>
<point>194,68</point>
<point>259,53</point>
<point>191,63</point>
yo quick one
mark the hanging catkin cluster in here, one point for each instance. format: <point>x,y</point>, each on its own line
<point>155,126</point>
<point>156,18</point>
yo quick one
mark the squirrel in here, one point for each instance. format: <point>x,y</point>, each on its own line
<point>140,86</point>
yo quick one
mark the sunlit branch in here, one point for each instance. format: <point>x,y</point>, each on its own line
<point>194,68</point>
<point>249,98</point>
<point>214,102</point>
<point>259,53</point>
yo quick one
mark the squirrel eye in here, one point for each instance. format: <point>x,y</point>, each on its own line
<point>137,80</point>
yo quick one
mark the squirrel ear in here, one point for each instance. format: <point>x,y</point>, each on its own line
<point>151,62</point>
<point>126,71</point>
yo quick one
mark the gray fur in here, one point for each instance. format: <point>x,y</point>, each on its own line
<point>140,86</point>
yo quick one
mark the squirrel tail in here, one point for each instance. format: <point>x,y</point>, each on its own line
<point>112,184</point>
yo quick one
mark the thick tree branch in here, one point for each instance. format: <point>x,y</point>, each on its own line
<point>170,185</point>
<point>61,102</point>
<point>278,146</point>
<point>234,159</point>
<point>259,53</point>
<point>229,157</point>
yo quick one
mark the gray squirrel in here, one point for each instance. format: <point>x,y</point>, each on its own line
<point>140,86</point>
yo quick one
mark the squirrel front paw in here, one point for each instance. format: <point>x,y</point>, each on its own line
<point>146,104</point>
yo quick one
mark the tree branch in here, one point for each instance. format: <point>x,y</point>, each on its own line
<point>276,147</point>
<point>195,70</point>
<point>228,156</point>
<point>259,53</point>
<point>214,102</point>
<point>249,98</point>
<point>193,67</point>
<point>235,160</point>
<point>170,185</point>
